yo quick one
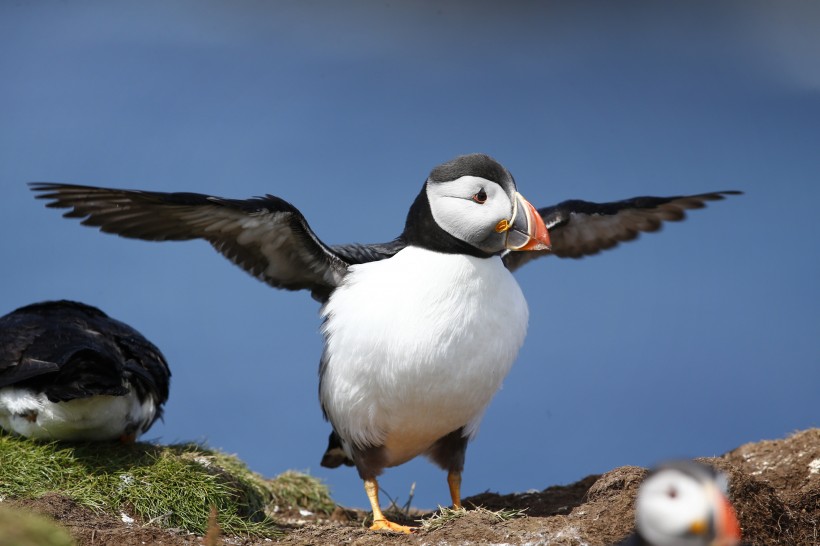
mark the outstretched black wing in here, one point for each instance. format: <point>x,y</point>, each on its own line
<point>581,228</point>
<point>266,236</point>
<point>356,253</point>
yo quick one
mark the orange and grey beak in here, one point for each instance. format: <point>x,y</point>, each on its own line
<point>728,527</point>
<point>526,229</point>
<point>725,528</point>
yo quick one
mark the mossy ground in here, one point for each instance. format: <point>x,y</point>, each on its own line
<point>774,486</point>
<point>171,486</point>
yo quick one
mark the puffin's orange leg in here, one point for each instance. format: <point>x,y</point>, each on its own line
<point>380,522</point>
<point>454,481</point>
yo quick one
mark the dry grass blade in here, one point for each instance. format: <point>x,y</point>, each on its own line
<point>212,535</point>
<point>446,515</point>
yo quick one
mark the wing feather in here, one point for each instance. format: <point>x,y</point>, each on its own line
<point>583,228</point>
<point>266,236</point>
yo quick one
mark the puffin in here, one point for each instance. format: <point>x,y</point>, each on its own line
<point>684,503</point>
<point>70,372</point>
<point>419,332</point>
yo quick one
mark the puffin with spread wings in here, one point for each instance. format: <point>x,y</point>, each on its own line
<point>420,331</point>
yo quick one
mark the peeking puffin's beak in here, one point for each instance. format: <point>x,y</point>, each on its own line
<point>727,525</point>
<point>526,229</point>
<point>722,527</point>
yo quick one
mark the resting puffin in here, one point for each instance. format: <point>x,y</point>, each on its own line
<point>683,503</point>
<point>68,371</point>
<point>420,331</point>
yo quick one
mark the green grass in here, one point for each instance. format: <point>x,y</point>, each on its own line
<point>294,489</point>
<point>170,486</point>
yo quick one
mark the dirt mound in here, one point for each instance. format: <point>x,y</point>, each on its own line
<point>774,486</point>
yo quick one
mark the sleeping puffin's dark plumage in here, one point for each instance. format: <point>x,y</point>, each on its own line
<point>68,351</point>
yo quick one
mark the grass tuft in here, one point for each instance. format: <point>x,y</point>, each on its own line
<point>442,518</point>
<point>446,515</point>
<point>171,486</point>
<point>296,490</point>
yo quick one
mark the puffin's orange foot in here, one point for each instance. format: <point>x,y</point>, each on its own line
<point>385,525</point>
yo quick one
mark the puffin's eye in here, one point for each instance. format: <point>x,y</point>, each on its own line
<point>480,197</point>
<point>672,492</point>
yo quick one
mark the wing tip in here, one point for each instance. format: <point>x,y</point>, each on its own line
<point>717,195</point>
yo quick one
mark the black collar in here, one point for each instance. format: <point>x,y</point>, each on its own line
<point>421,230</point>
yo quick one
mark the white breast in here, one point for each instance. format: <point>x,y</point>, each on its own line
<point>95,418</point>
<point>418,345</point>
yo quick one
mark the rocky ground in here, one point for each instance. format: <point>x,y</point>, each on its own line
<point>774,486</point>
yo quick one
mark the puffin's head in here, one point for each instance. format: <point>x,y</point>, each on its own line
<point>472,201</point>
<point>684,503</point>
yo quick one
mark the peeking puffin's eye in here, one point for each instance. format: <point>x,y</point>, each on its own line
<point>480,197</point>
<point>672,492</point>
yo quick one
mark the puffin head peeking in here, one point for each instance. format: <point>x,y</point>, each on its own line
<point>685,503</point>
<point>470,205</point>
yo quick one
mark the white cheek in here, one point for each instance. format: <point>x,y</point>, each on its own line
<point>460,216</point>
<point>664,520</point>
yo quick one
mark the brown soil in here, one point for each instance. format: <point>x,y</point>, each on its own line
<point>775,488</point>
